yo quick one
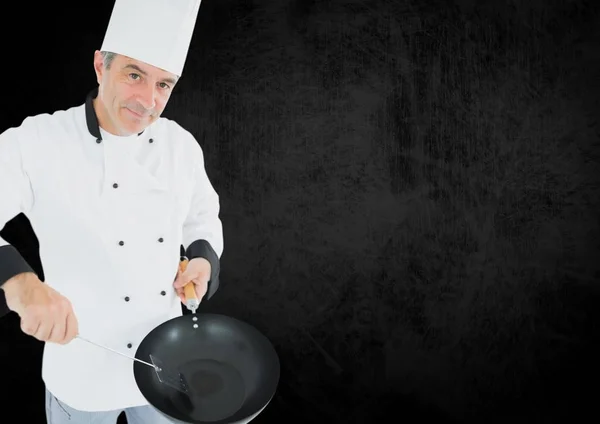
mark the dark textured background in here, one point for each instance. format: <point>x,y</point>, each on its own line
<point>409,196</point>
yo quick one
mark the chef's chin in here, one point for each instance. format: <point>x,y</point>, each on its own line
<point>132,122</point>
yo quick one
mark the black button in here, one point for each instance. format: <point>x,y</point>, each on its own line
<point>150,141</point>
<point>121,243</point>
<point>160,240</point>
<point>164,293</point>
<point>115,185</point>
<point>129,345</point>
<point>98,141</point>
<point>126,298</point>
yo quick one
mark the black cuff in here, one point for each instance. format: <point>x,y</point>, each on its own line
<point>12,263</point>
<point>203,249</point>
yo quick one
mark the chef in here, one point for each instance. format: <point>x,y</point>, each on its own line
<point>113,192</point>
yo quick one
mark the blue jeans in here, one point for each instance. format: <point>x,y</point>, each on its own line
<point>59,413</point>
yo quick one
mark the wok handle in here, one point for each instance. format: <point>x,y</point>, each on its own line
<point>191,299</point>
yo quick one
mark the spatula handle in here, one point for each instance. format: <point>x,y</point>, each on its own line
<point>115,351</point>
<point>191,299</point>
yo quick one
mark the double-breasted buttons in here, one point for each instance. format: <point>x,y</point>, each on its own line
<point>98,140</point>
<point>115,185</point>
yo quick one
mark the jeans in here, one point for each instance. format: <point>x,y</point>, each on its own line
<point>58,412</point>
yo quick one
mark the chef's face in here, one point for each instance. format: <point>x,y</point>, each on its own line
<point>131,94</point>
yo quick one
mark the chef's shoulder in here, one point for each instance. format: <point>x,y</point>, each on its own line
<point>26,130</point>
<point>36,131</point>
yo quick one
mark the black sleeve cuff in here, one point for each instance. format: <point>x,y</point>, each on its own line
<point>11,264</point>
<point>203,249</point>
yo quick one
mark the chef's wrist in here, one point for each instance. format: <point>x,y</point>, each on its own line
<point>12,264</point>
<point>19,282</point>
<point>203,249</point>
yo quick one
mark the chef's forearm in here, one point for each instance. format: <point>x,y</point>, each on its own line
<point>203,249</point>
<point>16,193</point>
<point>203,229</point>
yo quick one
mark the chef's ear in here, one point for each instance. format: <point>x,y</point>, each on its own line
<point>98,65</point>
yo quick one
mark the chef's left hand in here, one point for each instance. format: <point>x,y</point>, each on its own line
<point>197,271</point>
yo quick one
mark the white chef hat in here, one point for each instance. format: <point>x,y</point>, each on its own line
<point>157,32</point>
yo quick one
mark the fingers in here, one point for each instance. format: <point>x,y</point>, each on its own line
<point>34,323</point>
<point>53,321</point>
<point>58,314</point>
<point>30,325</point>
<point>180,293</point>
<point>179,283</point>
<point>72,327</point>
<point>182,280</point>
<point>43,331</point>
<point>58,330</point>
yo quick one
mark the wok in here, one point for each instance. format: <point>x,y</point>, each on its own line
<point>232,370</point>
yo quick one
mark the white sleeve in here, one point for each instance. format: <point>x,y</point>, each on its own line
<point>16,196</point>
<point>203,229</point>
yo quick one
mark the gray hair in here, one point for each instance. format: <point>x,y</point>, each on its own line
<point>107,58</point>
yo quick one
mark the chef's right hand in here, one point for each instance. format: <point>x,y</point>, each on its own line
<point>45,314</point>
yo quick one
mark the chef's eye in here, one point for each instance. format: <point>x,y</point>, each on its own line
<point>164,86</point>
<point>134,76</point>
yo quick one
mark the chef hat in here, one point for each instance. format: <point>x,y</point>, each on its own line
<point>157,32</point>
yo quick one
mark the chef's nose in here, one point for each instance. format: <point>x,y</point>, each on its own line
<point>147,96</point>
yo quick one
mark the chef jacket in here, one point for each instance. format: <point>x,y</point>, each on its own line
<point>112,215</point>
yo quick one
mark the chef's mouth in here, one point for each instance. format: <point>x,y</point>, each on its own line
<point>141,116</point>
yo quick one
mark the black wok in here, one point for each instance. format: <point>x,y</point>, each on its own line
<point>232,370</point>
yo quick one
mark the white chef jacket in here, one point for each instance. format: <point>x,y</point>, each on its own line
<point>111,215</point>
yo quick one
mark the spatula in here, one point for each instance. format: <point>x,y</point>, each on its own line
<point>166,376</point>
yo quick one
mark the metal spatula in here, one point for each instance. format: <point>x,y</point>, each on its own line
<point>171,378</point>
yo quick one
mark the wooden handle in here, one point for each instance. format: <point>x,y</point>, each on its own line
<point>189,290</point>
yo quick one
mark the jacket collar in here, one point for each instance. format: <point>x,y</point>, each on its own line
<point>90,115</point>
